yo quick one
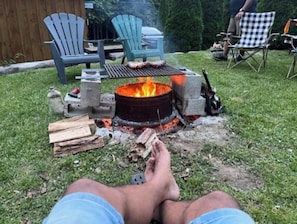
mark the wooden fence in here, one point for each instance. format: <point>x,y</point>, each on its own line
<point>22,31</point>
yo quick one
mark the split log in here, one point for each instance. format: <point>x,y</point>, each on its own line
<point>67,123</point>
<point>77,145</point>
<point>147,138</point>
<point>70,133</point>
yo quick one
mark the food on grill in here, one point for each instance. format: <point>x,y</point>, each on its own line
<point>157,64</point>
<point>139,64</point>
<point>136,64</point>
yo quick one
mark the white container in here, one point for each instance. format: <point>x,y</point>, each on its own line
<point>55,100</point>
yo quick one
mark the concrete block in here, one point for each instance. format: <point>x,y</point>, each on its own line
<point>90,90</point>
<point>187,86</point>
<point>107,107</point>
<point>189,107</point>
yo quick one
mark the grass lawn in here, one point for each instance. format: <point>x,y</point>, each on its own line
<point>261,108</point>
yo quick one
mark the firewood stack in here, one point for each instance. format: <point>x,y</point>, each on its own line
<point>73,135</point>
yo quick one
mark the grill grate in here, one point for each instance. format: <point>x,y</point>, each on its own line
<point>115,71</point>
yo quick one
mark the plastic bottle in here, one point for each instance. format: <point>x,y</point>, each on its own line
<point>55,100</point>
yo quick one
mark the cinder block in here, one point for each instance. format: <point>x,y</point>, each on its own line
<point>187,86</point>
<point>107,107</point>
<point>189,107</point>
<point>90,90</point>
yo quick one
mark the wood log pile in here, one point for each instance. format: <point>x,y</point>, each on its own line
<point>73,135</point>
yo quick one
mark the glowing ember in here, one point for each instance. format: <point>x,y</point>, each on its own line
<point>144,88</point>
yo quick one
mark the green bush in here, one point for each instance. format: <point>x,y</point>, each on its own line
<point>183,26</point>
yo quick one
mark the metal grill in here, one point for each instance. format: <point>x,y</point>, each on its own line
<point>115,71</point>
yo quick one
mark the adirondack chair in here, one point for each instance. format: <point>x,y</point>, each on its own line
<point>128,28</point>
<point>67,46</point>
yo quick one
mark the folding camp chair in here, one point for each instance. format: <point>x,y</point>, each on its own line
<point>128,28</point>
<point>292,40</point>
<point>255,38</point>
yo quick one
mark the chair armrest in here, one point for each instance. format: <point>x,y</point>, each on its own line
<point>228,36</point>
<point>100,50</point>
<point>223,34</point>
<point>273,36</point>
<point>54,50</point>
<point>289,39</point>
<point>290,36</point>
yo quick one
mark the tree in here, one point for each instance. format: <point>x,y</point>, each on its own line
<point>146,10</point>
<point>213,20</point>
<point>102,10</point>
<point>183,26</point>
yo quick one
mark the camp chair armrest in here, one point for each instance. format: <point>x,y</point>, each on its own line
<point>228,36</point>
<point>273,36</point>
<point>290,36</point>
<point>224,34</point>
<point>289,39</point>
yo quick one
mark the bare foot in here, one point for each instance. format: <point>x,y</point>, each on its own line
<point>161,170</point>
<point>149,169</point>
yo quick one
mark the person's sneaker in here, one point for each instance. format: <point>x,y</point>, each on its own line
<point>220,57</point>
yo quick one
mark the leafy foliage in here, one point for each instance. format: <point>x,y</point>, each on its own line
<point>188,24</point>
<point>102,10</point>
<point>183,25</point>
<point>213,21</point>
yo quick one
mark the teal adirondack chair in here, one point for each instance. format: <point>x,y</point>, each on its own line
<point>67,46</point>
<point>128,28</point>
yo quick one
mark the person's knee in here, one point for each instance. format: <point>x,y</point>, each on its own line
<point>79,185</point>
<point>222,199</point>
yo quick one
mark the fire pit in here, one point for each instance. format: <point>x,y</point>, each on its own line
<point>144,103</point>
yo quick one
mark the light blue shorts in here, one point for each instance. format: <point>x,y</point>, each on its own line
<point>79,208</point>
<point>224,216</point>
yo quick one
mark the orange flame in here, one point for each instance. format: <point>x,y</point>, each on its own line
<point>148,88</point>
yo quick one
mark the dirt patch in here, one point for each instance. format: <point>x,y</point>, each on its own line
<point>204,131</point>
<point>211,130</point>
<point>236,177</point>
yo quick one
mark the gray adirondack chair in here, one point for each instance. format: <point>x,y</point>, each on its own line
<point>128,28</point>
<point>67,46</point>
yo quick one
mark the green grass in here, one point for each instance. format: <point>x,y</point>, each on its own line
<point>262,112</point>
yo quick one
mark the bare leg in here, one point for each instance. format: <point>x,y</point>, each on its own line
<point>226,48</point>
<point>136,203</point>
<point>185,211</point>
<point>173,212</point>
